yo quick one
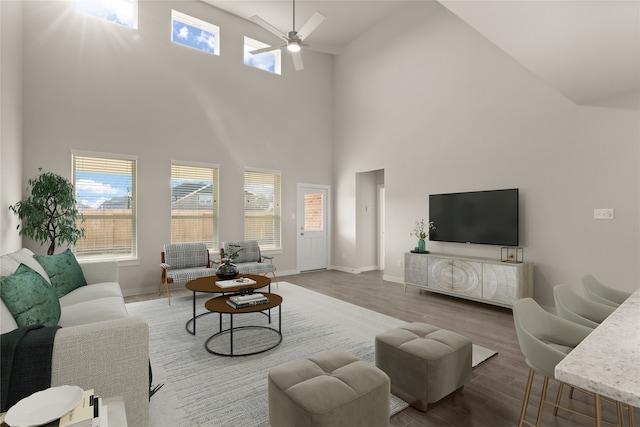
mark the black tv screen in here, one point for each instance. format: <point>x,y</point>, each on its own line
<point>484,217</point>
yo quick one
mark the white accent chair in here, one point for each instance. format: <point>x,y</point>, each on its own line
<point>573,307</point>
<point>183,262</point>
<point>596,291</point>
<point>545,339</point>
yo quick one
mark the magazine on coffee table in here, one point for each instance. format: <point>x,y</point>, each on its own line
<point>241,281</point>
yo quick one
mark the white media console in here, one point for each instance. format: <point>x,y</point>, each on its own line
<point>479,279</point>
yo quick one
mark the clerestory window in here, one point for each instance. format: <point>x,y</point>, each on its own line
<point>195,33</point>
<point>122,12</point>
<point>268,61</point>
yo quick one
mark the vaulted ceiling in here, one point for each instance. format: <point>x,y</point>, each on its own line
<point>588,50</point>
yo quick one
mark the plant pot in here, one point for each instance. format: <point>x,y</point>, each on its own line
<point>422,246</point>
<point>227,270</point>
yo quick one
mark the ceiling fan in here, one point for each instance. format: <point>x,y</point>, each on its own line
<point>295,38</point>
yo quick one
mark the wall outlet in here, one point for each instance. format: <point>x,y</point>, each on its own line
<point>603,214</point>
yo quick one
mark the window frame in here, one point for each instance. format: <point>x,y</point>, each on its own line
<point>276,233</point>
<point>214,244</point>
<point>257,44</point>
<point>133,255</point>
<point>200,24</point>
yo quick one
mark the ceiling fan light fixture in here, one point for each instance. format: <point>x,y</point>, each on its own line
<point>293,46</point>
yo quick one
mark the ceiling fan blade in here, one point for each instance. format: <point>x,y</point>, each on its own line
<point>333,50</point>
<point>313,22</point>
<point>266,49</point>
<point>297,61</point>
<point>264,24</point>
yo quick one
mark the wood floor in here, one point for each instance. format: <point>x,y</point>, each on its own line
<point>494,395</point>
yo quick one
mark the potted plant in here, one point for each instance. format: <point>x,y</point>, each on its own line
<point>49,214</point>
<point>228,270</point>
<point>421,234</point>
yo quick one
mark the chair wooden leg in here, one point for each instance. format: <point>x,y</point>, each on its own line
<point>543,400</point>
<point>525,402</point>
<point>598,410</point>
<point>166,286</point>
<point>558,397</point>
<point>631,423</point>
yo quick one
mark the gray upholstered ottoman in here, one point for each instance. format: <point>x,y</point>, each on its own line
<point>328,389</point>
<point>424,363</point>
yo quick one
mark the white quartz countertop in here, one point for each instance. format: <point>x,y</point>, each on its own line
<point>607,362</point>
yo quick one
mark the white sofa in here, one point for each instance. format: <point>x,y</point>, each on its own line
<point>99,346</point>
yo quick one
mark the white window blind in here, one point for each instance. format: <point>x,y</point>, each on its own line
<point>106,195</point>
<point>262,216</point>
<point>194,204</point>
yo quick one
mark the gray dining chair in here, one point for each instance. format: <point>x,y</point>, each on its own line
<point>596,291</point>
<point>573,307</point>
<point>545,339</point>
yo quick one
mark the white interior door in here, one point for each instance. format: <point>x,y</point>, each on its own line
<point>313,227</point>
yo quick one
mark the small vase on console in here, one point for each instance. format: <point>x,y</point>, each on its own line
<point>227,270</point>
<point>422,246</point>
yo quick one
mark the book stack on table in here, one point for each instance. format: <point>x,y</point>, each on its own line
<point>241,301</point>
<point>88,413</point>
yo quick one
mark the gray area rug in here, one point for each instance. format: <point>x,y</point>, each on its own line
<point>202,389</point>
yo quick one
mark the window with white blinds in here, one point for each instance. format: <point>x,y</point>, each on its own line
<point>194,204</point>
<point>106,195</point>
<point>262,219</point>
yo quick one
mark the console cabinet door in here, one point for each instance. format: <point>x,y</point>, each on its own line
<point>440,274</point>
<point>467,278</point>
<point>500,282</point>
<point>415,269</point>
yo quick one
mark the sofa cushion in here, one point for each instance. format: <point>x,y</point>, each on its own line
<point>256,267</point>
<point>29,298</point>
<point>186,255</point>
<point>7,321</point>
<point>63,270</point>
<point>98,310</point>
<point>90,293</point>
<point>8,265</point>
<point>249,250</point>
<point>25,256</point>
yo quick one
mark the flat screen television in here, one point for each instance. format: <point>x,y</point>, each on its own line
<point>484,217</point>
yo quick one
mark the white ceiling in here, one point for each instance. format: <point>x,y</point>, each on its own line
<point>586,49</point>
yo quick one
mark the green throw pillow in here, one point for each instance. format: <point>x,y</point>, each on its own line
<point>29,298</point>
<point>63,270</point>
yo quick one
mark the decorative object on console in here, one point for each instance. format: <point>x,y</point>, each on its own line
<point>227,270</point>
<point>421,234</point>
<point>509,254</point>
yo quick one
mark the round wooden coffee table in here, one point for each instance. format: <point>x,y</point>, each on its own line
<point>209,284</point>
<point>219,305</point>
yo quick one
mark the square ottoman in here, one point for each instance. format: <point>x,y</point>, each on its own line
<point>329,389</point>
<point>425,363</point>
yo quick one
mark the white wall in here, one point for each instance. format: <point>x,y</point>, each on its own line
<point>440,109</point>
<point>10,121</point>
<point>92,85</point>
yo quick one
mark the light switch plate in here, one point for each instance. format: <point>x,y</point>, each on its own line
<point>603,214</point>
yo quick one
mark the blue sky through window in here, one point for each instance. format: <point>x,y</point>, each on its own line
<point>268,61</point>
<point>95,188</point>
<point>194,33</point>
<point>117,11</point>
